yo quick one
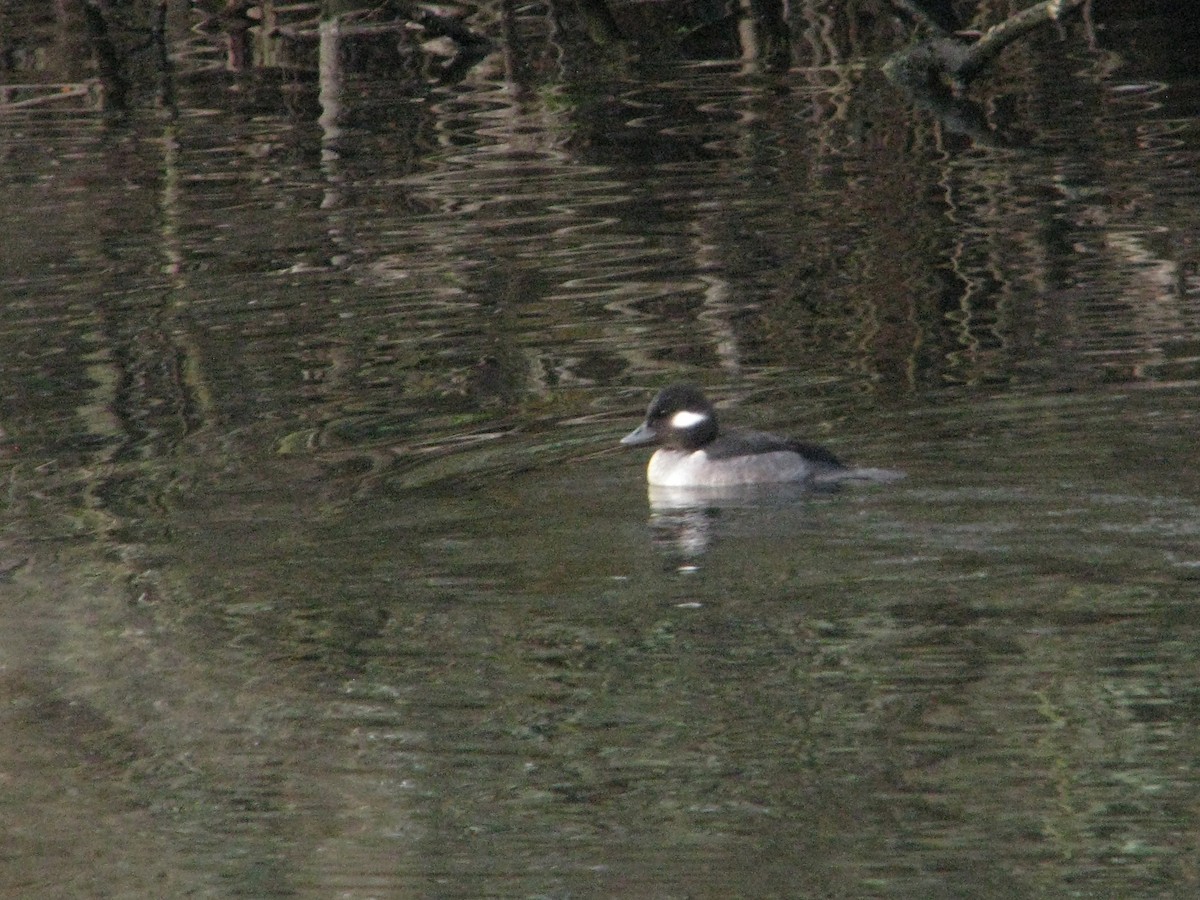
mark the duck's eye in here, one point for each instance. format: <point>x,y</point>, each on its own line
<point>685,418</point>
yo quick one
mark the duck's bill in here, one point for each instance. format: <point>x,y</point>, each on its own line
<point>643,434</point>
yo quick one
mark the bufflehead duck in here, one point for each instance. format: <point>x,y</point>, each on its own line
<point>691,453</point>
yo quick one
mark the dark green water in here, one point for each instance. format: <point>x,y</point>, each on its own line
<point>323,575</point>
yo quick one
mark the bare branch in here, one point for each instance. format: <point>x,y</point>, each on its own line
<point>929,66</point>
<point>1001,35</point>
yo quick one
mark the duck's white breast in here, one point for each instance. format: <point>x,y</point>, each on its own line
<point>679,468</point>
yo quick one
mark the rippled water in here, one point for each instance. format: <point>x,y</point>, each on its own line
<point>322,572</point>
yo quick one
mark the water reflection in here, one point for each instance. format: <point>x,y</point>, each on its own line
<point>318,575</point>
<point>685,522</point>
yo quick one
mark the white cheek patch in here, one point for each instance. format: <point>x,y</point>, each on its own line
<point>685,418</point>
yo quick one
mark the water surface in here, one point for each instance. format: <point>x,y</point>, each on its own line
<point>323,572</point>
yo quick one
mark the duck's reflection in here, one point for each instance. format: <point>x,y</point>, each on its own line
<point>685,522</point>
